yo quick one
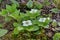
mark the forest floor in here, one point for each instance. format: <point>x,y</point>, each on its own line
<point>49,32</point>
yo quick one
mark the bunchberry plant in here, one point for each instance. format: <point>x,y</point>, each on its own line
<point>30,21</point>
<point>5,13</point>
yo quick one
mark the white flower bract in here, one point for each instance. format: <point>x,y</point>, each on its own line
<point>27,23</point>
<point>54,20</point>
<point>42,20</point>
<point>48,18</point>
<point>33,10</point>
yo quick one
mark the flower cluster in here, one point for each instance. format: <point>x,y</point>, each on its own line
<point>30,22</point>
<point>27,23</point>
<point>42,19</point>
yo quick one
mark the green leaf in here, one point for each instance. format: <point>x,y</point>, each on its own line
<point>46,2</point>
<point>15,3</point>
<point>3,32</point>
<point>30,4</point>
<point>8,8</point>
<point>32,28</point>
<point>17,30</point>
<point>37,33</point>
<point>43,24</point>
<point>7,19</point>
<point>15,15</point>
<point>36,22</point>
<point>1,25</point>
<point>38,5</point>
<point>33,15</point>
<point>40,31</point>
<point>24,16</point>
<point>14,6</point>
<point>54,23</point>
<point>46,23</point>
<point>11,9</point>
<point>3,12</point>
<point>55,10</point>
<point>56,36</point>
<point>15,24</point>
